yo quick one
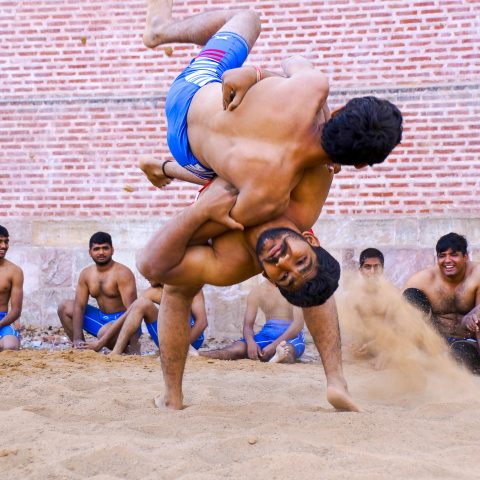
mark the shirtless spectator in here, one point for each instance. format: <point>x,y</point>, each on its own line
<point>146,308</point>
<point>281,339</point>
<point>370,304</point>
<point>110,283</point>
<point>448,294</point>
<point>11,292</point>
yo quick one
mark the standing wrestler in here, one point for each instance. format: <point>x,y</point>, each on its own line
<point>110,283</point>
<point>11,292</point>
<point>281,339</point>
<point>449,295</point>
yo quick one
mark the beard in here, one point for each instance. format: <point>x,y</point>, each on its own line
<point>273,234</point>
<point>102,263</point>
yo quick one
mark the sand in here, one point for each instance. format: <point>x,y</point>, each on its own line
<point>76,415</point>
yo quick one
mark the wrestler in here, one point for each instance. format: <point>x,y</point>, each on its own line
<point>11,291</point>
<point>449,295</point>
<point>281,339</point>
<point>247,133</point>
<point>110,283</point>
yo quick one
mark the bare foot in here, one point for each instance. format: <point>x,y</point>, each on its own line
<point>281,353</point>
<point>160,402</point>
<point>153,170</point>
<point>192,351</point>
<point>159,13</point>
<point>341,399</point>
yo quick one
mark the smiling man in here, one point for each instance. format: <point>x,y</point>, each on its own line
<point>449,295</point>
<point>11,293</point>
<point>110,283</point>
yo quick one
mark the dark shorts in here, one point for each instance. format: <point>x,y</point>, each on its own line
<point>7,329</point>
<point>153,331</point>
<point>272,330</point>
<point>224,51</point>
<point>94,319</point>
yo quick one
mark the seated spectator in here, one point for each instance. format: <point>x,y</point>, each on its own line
<point>448,294</point>
<point>11,292</point>
<point>281,339</point>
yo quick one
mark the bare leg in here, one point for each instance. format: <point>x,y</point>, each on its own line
<point>322,321</point>
<point>235,351</point>
<point>161,28</point>
<point>65,314</point>
<point>174,338</point>
<point>153,170</point>
<point>140,309</point>
<point>285,353</point>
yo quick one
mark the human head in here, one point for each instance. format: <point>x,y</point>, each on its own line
<point>363,132</point>
<point>454,241</point>
<point>371,262</point>
<point>305,273</point>
<point>4,241</point>
<point>452,256</point>
<point>101,248</point>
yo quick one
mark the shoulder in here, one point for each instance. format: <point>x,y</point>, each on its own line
<point>10,269</point>
<point>422,279</point>
<point>123,269</point>
<point>475,271</point>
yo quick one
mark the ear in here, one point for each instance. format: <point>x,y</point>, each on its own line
<point>311,238</point>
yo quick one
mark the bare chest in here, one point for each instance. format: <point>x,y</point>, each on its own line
<point>103,287</point>
<point>455,300</point>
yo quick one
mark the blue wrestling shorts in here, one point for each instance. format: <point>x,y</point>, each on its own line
<point>153,331</point>
<point>7,329</point>
<point>94,319</point>
<point>272,330</point>
<point>224,51</point>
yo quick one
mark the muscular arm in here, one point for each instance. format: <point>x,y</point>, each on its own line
<point>81,300</point>
<point>16,299</point>
<point>200,313</point>
<point>164,257</point>
<point>127,287</point>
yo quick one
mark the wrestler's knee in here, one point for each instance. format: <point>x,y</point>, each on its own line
<point>10,342</point>
<point>65,308</point>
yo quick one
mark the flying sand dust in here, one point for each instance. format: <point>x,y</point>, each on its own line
<point>412,360</point>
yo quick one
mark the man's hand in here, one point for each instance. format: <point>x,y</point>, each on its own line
<point>217,200</point>
<point>253,350</point>
<point>235,84</point>
<point>470,322</point>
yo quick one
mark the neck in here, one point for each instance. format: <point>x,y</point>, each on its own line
<point>103,268</point>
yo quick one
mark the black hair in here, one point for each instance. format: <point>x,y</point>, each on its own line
<point>458,243</point>
<point>99,238</point>
<point>366,130</point>
<point>320,288</point>
<point>3,232</point>
<point>371,253</point>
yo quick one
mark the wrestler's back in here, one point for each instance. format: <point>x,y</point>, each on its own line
<point>266,134</point>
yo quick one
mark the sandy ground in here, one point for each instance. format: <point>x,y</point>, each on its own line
<point>76,415</point>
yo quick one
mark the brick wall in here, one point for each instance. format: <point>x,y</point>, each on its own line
<point>81,100</point>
